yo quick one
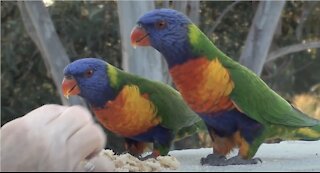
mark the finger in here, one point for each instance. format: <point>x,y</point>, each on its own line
<point>70,121</point>
<point>86,142</point>
<point>44,114</point>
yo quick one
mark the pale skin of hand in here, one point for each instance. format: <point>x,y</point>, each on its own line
<point>53,138</point>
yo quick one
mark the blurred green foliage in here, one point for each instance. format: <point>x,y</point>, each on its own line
<point>91,29</point>
<point>86,29</point>
<point>25,83</point>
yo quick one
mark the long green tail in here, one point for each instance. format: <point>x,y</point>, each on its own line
<point>308,133</point>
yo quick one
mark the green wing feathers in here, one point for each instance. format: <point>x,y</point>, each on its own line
<point>173,110</point>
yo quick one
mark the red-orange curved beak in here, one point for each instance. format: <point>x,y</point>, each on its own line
<point>69,87</point>
<point>139,37</point>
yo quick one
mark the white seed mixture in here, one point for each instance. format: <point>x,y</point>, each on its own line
<point>129,163</point>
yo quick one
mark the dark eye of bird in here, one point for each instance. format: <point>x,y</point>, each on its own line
<point>161,24</point>
<point>88,73</point>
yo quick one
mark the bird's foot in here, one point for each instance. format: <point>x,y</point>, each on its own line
<point>214,160</point>
<point>150,156</point>
<point>237,160</point>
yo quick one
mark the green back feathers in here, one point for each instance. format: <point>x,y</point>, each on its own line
<point>261,103</point>
<point>200,43</point>
<point>203,46</point>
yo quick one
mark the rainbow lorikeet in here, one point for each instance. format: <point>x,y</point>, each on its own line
<point>140,110</point>
<point>239,109</point>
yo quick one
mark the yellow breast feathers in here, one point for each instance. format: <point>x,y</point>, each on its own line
<point>129,114</point>
<point>204,84</point>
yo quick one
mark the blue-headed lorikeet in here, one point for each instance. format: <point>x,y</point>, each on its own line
<point>140,110</point>
<point>239,109</point>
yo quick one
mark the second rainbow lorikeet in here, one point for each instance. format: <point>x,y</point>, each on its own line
<point>239,109</point>
<point>141,110</point>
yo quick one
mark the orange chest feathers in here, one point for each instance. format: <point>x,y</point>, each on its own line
<point>129,114</point>
<point>204,84</point>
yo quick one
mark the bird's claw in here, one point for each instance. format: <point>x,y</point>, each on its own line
<point>145,157</point>
<point>237,160</point>
<point>213,160</point>
<point>219,160</point>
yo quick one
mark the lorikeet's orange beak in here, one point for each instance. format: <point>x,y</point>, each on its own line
<point>139,37</point>
<point>69,87</point>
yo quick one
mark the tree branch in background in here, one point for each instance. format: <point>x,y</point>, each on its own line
<point>260,36</point>
<point>291,49</point>
<point>40,28</point>
<point>306,10</point>
<point>145,62</point>
<point>180,6</point>
<point>225,11</point>
<point>193,11</point>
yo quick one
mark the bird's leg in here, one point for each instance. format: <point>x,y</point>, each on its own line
<point>237,160</point>
<point>246,152</point>
<point>134,147</point>
<point>214,160</point>
<point>217,158</point>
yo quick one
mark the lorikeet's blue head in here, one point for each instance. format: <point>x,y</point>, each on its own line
<point>88,78</point>
<point>167,31</point>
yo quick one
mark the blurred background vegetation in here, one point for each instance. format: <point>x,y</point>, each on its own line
<point>91,29</point>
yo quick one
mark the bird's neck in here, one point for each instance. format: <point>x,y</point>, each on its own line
<point>98,99</point>
<point>196,45</point>
<point>176,55</point>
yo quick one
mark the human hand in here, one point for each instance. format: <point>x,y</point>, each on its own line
<point>51,138</point>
